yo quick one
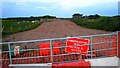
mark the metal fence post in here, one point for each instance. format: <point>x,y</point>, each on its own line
<point>51,54</point>
<point>2,29</point>
<point>91,46</point>
<point>10,53</point>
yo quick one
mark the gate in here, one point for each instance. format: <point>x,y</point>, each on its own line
<point>54,50</point>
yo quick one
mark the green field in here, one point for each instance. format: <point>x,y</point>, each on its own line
<point>101,23</point>
<point>13,26</point>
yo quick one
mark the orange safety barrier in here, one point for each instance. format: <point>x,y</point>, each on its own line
<point>32,53</point>
<point>112,52</point>
<point>104,53</point>
<point>24,55</point>
<point>93,40</point>
<point>3,57</point>
<point>14,62</point>
<point>96,46</point>
<point>28,61</point>
<point>56,50</point>
<point>69,57</point>
<point>100,39</point>
<point>80,64</point>
<point>44,52</point>
<point>75,56</point>
<point>114,37</point>
<point>119,44</point>
<point>7,61</point>
<point>103,46</point>
<point>21,61</point>
<point>47,51</point>
<point>106,38</point>
<point>35,53</point>
<point>114,44</point>
<point>39,60</point>
<point>25,61</point>
<point>27,54</point>
<point>109,42</point>
<point>62,58</point>
<point>34,60</point>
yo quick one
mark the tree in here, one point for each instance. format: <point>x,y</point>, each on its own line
<point>77,15</point>
<point>93,16</point>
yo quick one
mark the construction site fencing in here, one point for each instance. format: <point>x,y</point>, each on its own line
<point>54,50</point>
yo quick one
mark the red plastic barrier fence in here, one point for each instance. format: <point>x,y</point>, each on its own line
<point>80,64</point>
<point>105,42</point>
<point>119,44</point>
<point>56,50</point>
<point>46,52</point>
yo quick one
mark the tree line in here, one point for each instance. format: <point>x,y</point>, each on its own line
<point>31,18</point>
<point>107,23</point>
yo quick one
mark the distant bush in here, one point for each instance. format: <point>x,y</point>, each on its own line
<point>94,16</point>
<point>102,23</point>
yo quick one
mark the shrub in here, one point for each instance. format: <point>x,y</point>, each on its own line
<point>102,23</point>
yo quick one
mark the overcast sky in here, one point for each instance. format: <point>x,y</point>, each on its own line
<point>59,8</point>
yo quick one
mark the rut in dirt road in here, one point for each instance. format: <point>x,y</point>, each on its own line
<point>54,29</point>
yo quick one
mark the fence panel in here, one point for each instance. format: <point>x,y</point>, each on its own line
<point>54,50</point>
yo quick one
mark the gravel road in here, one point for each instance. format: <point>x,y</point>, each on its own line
<point>54,29</point>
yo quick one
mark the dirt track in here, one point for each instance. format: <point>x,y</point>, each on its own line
<point>54,29</point>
